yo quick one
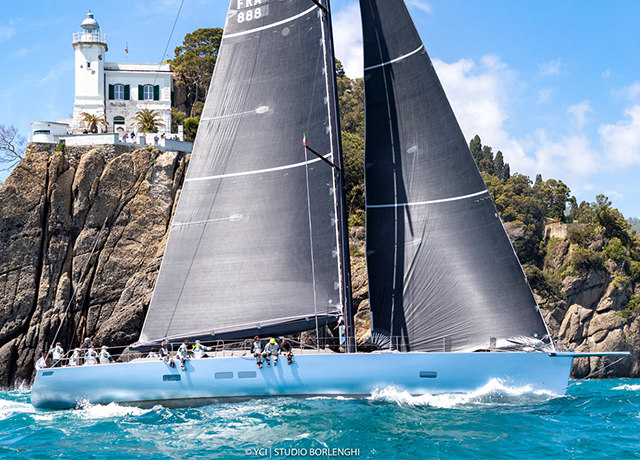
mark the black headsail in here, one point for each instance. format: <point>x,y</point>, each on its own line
<point>253,246</point>
<point>443,275</point>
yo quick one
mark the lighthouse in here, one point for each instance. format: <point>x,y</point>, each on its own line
<point>90,48</point>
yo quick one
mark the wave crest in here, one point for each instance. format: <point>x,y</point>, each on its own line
<point>495,389</point>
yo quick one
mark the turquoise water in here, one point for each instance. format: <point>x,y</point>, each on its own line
<point>596,419</point>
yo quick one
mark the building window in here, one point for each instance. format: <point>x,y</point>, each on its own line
<point>118,92</point>
<point>148,93</point>
<point>119,120</point>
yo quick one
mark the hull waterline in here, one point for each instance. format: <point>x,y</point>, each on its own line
<point>147,383</point>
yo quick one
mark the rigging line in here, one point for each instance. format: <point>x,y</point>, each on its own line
<point>595,372</point>
<point>313,267</point>
<point>393,61</point>
<point>82,275</point>
<point>168,41</point>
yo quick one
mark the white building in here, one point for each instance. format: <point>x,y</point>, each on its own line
<point>48,132</point>
<point>117,91</point>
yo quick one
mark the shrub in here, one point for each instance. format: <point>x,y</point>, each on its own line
<point>632,307</point>
<point>633,270</point>
<point>580,236</point>
<point>615,249</point>
<point>547,285</point>
<point>584,259</point>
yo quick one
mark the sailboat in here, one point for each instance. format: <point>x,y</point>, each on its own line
<point>258,244</point>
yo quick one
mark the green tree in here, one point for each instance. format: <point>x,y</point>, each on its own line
<point>350,102</point>
<point>194,62</point>
<point>148,121</point>
<point>612,220</point>
<point>353,163</point>
<point>553,197</point>
<point>191,128</point>
<point>177,119</point>
<point>93,121</point>
<point>475,146</point>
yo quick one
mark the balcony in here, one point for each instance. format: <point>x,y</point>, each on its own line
<point>89,37</point>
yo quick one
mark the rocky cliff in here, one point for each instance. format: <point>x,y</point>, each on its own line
<point>60,268</point>
<point>82,233</point>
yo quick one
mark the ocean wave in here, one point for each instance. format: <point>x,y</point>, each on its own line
<point>627,387</point>
<point>9,408</point>
<point>495,388</point>
<point>86,410</point>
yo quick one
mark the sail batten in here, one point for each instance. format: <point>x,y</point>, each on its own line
<point>443,275</point>
<point>253,237</point>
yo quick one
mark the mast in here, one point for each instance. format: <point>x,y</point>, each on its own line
<point>341,199</point>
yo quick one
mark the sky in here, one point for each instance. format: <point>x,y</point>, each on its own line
<point>554,85</point>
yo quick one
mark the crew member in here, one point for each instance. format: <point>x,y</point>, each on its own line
<point>90,357</point>
<point>286,348</point>
<point>256,349</point>
<point>199,350</point>
<point>105,357</point>
<point>75,358</point>
<point>57,353</point>
<point>271,350</point>
<point>184,353</point>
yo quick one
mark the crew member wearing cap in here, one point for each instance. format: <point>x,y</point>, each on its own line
<point>271,350</point>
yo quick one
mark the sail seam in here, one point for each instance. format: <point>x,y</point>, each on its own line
<point>417,203</point>
<point>258,171</point>
<point>275,24</point>
<point>394,60</point>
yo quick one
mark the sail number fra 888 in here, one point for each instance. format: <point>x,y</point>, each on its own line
<point>251,13</point>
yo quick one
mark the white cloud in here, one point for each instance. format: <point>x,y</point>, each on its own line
<point>481,96</point>
<point>621,141</point>
<point>347,38</point>
<point>629,92</point>
<point>420,5</point>
<point>579,113</point>
<point>606,73</point>
<point>571,158</point>
<point>550,68</point>
<point>6,33</point>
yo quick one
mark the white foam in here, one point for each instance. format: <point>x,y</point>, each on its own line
<point>450,400</point>
<point>95,411</point>
<point>627,387</point>
<point>9,408</point>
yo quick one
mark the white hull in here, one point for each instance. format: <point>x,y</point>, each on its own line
<point>150,382</point>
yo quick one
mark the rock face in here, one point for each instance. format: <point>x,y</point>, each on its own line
<point>591,318</point>
<point>82,234</point>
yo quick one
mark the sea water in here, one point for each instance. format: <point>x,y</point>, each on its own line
<point>594,420</point>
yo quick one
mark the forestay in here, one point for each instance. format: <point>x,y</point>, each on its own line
<point>443,275</point>
<point>253,244</point>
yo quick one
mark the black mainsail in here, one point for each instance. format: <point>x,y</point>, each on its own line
<point>254,246</point>
<point>443,275</point>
